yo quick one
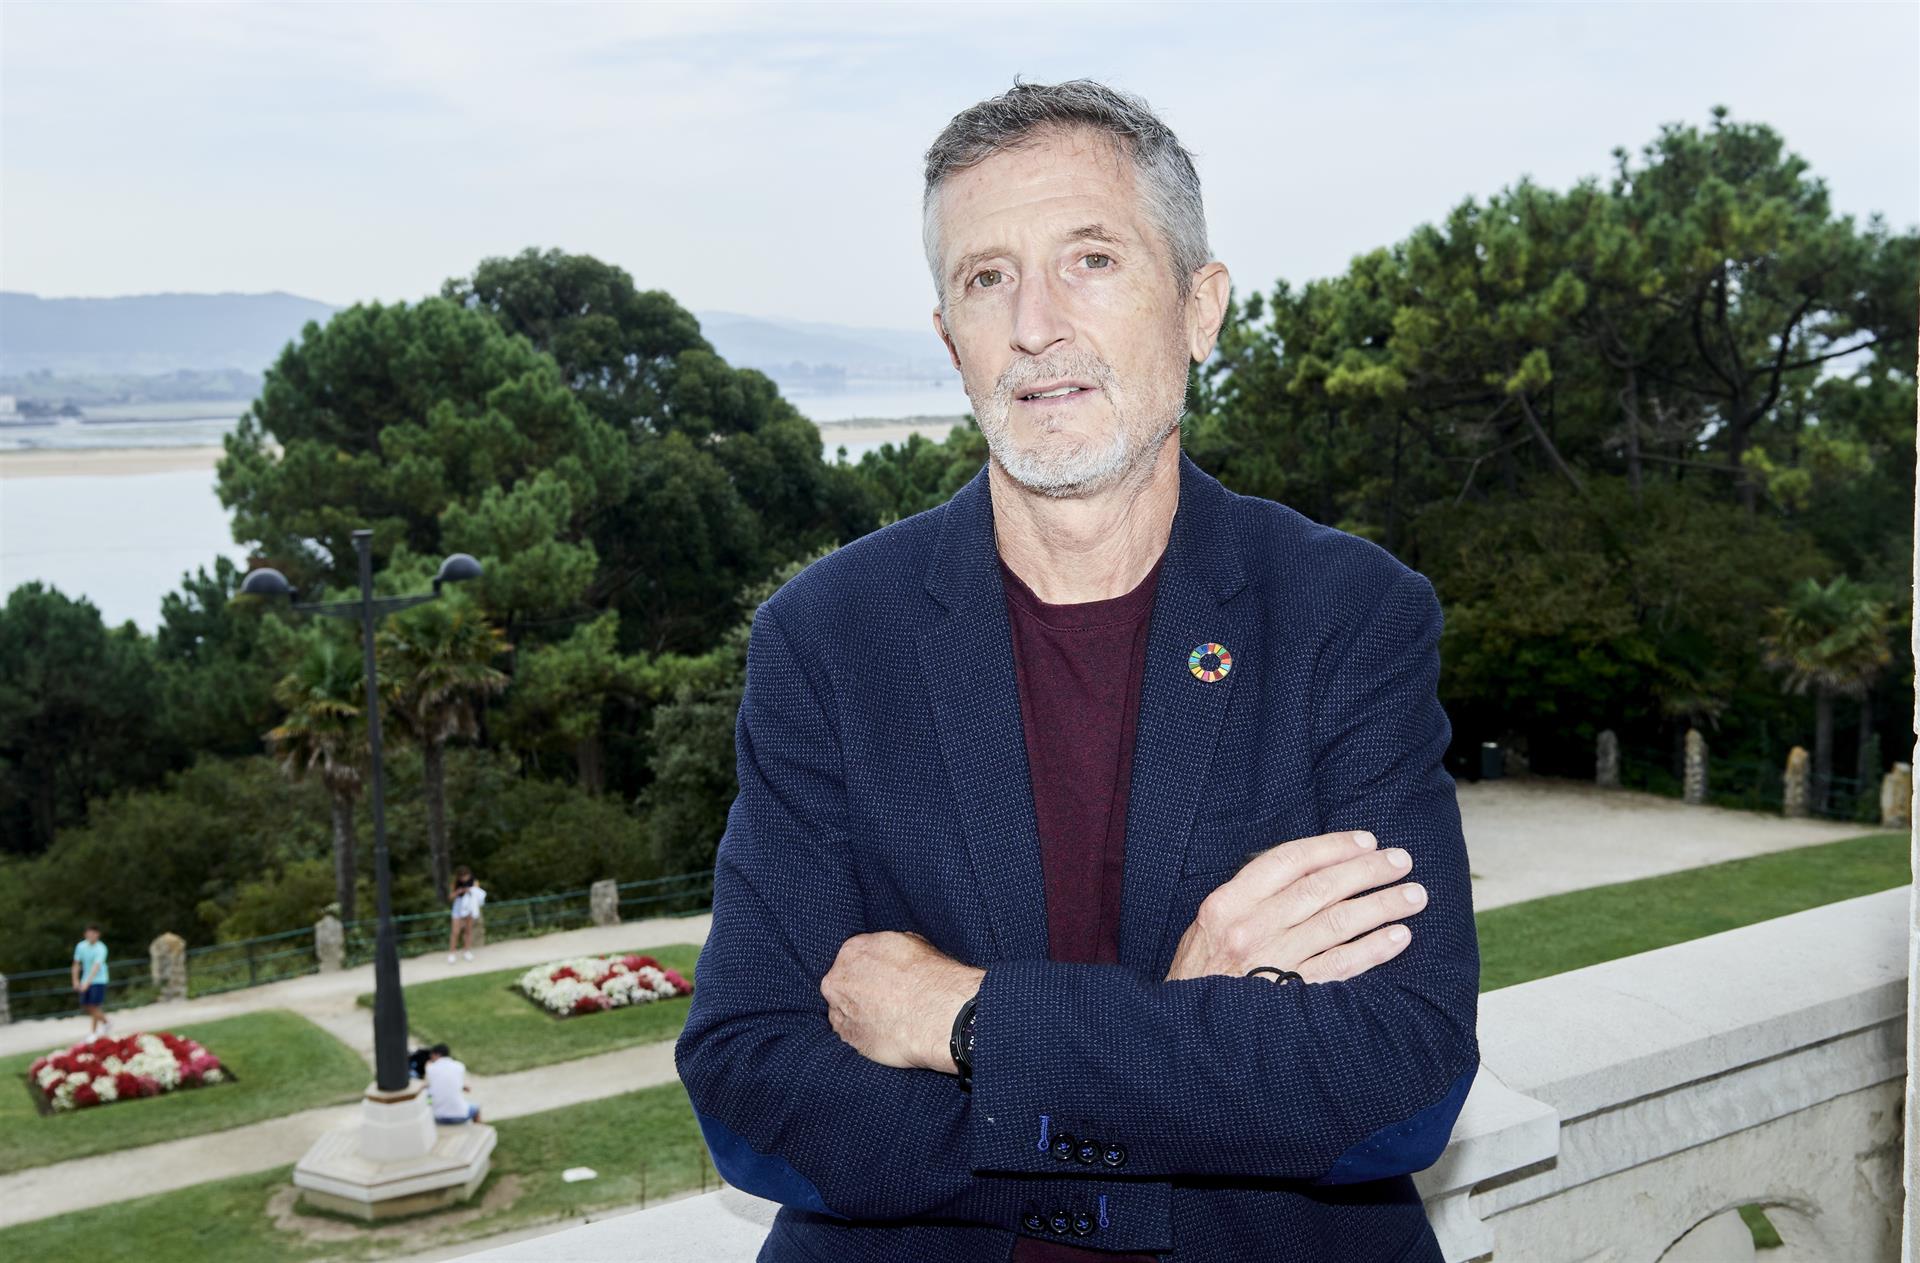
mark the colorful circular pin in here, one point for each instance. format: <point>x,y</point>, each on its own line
<point>1210,662</point>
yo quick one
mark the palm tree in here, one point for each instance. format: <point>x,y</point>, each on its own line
<point>325,733</point>
<point>436,664</point>
<point>1832,640</point>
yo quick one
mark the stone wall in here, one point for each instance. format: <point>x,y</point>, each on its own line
<point>1622,1112</point>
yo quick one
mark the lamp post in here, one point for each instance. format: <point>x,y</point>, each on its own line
<point>389,1005</point>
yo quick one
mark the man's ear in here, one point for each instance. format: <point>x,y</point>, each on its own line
<point>1206,308</point>
<point>940,327</point>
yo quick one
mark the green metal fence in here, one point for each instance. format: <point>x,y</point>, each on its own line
<point>1747,784</point>
<point>268,958</point>
<point>50,993</point>
<point>248,962</point>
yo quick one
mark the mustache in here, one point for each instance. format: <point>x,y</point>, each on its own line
<point>1021,374</point>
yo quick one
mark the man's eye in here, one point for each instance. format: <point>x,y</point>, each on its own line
<point>1098,261</point>
<point>988,278</point>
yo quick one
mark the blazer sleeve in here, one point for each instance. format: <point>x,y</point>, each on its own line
<point>1332,1083</point>
<point>789,1111</point>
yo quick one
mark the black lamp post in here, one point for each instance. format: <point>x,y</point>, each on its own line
<point>389,1006</point>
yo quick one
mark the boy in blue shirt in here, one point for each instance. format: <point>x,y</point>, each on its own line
<point>90,955</point>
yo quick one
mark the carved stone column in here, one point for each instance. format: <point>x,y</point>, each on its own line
<point>1696,783</point>
<point>1797,791</point>
<point>605,897</point>
<point>167,955</point>
<point>1606,760</point>
<point>1896,797</point>
<point>330,943</point>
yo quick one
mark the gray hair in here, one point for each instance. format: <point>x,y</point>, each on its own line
<point>1169,185</point>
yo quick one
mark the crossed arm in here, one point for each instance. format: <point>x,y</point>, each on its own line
<point>1203,1072</point>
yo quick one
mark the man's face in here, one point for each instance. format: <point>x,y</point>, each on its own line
<point>1063,315</point>
<point>93,936</point>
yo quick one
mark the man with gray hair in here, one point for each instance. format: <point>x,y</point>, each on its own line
<point>1066,911</point>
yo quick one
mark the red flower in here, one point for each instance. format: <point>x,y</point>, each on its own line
<point>680,984</point>
<point>84,1095</point>
<point>565,971</point>
<point>127,1084</point>
<point>589,1004</point>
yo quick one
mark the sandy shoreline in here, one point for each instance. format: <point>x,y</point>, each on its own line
<point>43,462</point>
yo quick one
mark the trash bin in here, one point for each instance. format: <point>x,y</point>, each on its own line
<point>1493,761</point>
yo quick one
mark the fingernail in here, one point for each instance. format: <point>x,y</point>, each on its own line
<point>1398,858</point>
<point>1365,841</point>
<point>1414,893</point>
<point>1397,933</point>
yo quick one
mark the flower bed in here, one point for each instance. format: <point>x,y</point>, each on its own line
<point>99,1071</point>
<point>593,984</point>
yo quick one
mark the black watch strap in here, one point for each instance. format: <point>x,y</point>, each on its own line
<point>960,1043</point>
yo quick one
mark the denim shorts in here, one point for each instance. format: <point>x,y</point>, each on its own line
<point>96,994</point>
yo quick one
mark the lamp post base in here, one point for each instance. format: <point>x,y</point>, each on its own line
<point>395,1160</point>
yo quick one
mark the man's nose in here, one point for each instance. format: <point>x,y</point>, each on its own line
<point>1040,318</point>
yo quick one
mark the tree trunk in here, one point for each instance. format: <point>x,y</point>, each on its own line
<point>1869,777</point>
<point>433,757</point>
<point>1822,747</point>
<point>592,773</point>
<point>344,867</point>
<point>1630,409</point>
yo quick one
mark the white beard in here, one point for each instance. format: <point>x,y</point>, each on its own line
<point>1059,467</point>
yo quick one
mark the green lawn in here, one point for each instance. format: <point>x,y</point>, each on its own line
<point>1530,940</point>
<point>494,1029</point>
<point>645,1145</point>
<point>281,1062</point>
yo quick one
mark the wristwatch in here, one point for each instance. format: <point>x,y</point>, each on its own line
<point>960,1043</point>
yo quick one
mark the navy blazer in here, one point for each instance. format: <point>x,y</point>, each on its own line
<point>883,786</point>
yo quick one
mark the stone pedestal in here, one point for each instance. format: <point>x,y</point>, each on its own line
<point>330,943</point>
<point>479,932</point>
<point>1896,812</point>
<point>167,956</point>
<point>1606,760</point>
<point>1696,783</point>
<point>605,897</point>
<point>4,1018</point>
<point>395,1160</point>
<point>1796,789</point>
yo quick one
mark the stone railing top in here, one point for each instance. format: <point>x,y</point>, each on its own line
<point>1620,1030</point>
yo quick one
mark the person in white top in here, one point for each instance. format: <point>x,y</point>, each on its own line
<point>467,899</point>
<point>447,1088</point>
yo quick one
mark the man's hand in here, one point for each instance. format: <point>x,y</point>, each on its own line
<point>1300,906</point>
<point>893,997</point>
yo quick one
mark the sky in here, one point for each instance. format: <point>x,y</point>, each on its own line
<point>766,159</point>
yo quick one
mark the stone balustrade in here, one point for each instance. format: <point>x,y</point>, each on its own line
<point>1623,1112</point>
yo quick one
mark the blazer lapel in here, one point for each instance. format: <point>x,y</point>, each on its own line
<point>1180,714</point>
<point>966,660</point>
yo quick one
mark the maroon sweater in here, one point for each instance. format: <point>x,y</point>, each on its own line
<point>1079,669</point>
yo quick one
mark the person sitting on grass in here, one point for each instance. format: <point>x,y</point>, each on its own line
<point>447,1088</point>
<point>90,954</point>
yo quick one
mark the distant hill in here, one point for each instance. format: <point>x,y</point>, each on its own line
<point>149,333</point>
<point>774,345</point>
<point>154,334</point>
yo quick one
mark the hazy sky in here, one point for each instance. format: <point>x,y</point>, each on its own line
<point>766,158</point>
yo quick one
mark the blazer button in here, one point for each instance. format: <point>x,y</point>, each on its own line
<point>1033,1222</point>
<point>1082,1223</point>
<point>1088,1153</point>
<point>1064,1146</point>
<point>1115,1156</point>
<point>1060,1223</point>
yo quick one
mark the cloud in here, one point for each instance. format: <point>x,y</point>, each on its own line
<point>766,158</point>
